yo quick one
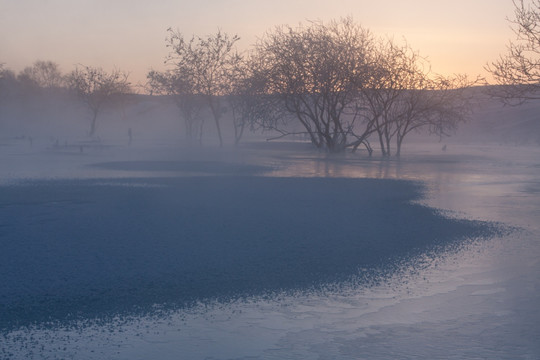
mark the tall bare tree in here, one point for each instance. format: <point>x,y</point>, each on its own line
<point>518,71</point>
<point>97,88</point>
<point>316,70</point>
<point>344,85</point>
<point>209,63</point>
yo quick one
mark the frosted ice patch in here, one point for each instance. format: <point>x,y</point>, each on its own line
<point>129,184</point>
<point>488,292</point>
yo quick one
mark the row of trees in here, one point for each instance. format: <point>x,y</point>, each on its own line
<point>337,80</point>
<point>94,87</point>
<point>335,83</point>
<point>341,83</point>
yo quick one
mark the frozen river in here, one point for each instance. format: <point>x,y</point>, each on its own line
<point>476,300</point>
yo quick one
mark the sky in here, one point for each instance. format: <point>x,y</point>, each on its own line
<point>459,36</point>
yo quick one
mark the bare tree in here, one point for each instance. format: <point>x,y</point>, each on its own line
<point>43,74</point>
<point>181,89</point>
<point>438,105</point>
<point>343,85</point>
<point>404,96</point>
<point>317,71</point>
<point>97,88</point>
<point>240,100</point>
<point>398,69</point>
<point>250,106</point>
<point>518,71</point>
<point>209,63</point>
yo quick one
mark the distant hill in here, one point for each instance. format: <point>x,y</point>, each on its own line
<point>494,122</point>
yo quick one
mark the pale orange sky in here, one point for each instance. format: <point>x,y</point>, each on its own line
<point>458,36</point>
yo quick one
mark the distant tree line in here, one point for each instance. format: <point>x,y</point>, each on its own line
<point>93,86</point>
<point>335,84</point>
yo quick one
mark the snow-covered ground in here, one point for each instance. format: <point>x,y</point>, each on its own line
<point>269,251</point>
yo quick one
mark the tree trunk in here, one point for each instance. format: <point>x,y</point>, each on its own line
<point>388,147</point>
<point>238,133</point>
<point>368,147</point>
<point>93,123</point>
<point>398,147</point>
<point>217,115</point>
<point>388,140</point>
<point>218,131</point>
<point>189,130</point>
<point>201,131</point>
<point>382,144</point>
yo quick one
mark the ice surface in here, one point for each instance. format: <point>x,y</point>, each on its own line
<point>476,299</point>
<point>76,249</point>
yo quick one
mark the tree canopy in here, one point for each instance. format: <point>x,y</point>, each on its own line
<point>96,88</point>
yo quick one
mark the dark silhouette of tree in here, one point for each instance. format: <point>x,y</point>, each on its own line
<point>438,105</point>
<point>250,106</point>
<point>317,71</point>
<point>518,71</point>
<point>405,97</point>
<point>344,85</point>
<point>97,88</point>
<point>398,70</point>
<point>7,78</point>
<point>10,87</point>
<point>42,74</point>
<point>209,64</point>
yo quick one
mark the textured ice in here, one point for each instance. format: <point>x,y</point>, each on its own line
<point>74,249</point>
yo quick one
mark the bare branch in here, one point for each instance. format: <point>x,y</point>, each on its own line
<point>97,88</point>
<point>517,73</point>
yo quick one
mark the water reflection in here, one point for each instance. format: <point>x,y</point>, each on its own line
<point>482,183</point>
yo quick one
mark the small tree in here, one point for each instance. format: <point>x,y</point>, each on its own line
<point>96,88</point>
<point>176,85</point>
<point>240,99</point>
<point>398,70</point>
<point>209,63</point>
<point>518,72</point>
<point>404,97</point>
<point>439,105</point>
